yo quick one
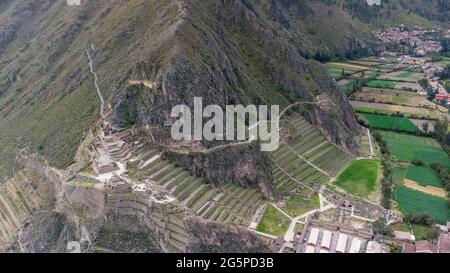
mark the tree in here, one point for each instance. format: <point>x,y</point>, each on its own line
<point>425,127</point>
<point>380,227</point>
<point>445,43</point>
<point>441,129</point>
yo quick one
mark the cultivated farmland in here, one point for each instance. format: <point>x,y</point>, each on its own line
<point>408,148</point>
<point>307,159</point>
<point>360,178</point>
<point>382,84</point>
<point>416,202</point>
<point>231,204</point>
<point>390,122</point>
<point>423,175</point>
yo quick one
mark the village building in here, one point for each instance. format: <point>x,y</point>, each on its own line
<point>403,236</point>
<point>444,243</point>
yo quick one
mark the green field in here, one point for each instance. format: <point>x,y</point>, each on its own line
<point>390,122</point>
<point>406,74</point>
<point>336,72</point>
<point>423,175</point>
<point>382,84</point>
<point>416,202</point>
<point>408,147</point>
<point>360,178</point>
<point>296,206</point>
<point>273,222</point>
<point>373,74</point>
<point>425,232</point>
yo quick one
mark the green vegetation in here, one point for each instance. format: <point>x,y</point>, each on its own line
<point>415,203</point>
<point>406,74</point>
<point>382,84</point>
<point>296,206</point>
<point>408,148</point>
<point>360,178</point>
<point>353,86</point>
<point>424,176</point>
<point>401,227</point>
<point>422,232</point>
<point>398,174</point>
<point>444,175</point>
<point>273,222</point>
<point>390,122</point>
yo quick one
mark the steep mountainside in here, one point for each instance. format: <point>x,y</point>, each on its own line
<point>46,91</point>
<point>226,51</point>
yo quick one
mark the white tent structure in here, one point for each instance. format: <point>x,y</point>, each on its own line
<point>342,243</point>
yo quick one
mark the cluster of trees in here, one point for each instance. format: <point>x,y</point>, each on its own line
<point>386,184</point>
<point>444,174</point>
<point>441,132</point>
<point>386,181</point>
<point>380,227</point>
<point>444,73</point>
<point>419,219</point>
<point>381,143</point>
<point>426,86</point>
<point>445,43</point>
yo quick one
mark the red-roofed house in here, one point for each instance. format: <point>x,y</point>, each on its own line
<point>444,243</point>
<point>409,248</point>
<point>426,247</point>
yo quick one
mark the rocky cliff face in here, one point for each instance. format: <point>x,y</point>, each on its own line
<point>234,52</point>
<point>244,166</point>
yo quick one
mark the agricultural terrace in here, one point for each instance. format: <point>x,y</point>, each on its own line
<point>390,122</point>
<point>296,205</point>
<point>415,202</point>
<point>231,204</point>
<point>360,178</point>
<point>408,148</point>
<point>308,158</point>
<point>273,222</point>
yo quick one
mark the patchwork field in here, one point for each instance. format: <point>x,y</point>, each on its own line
<point>416,202</point>
<point>425,176</point>
<point>273,222</point>
<point>391,84</point>
<point>435,191</point>
<point>408,148</point>
<point>392,96</point>
<point>350,66</point>
<point>401,75</point>
<point>390,122</point>
<point>360,178</point>
<point>387,109</point>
